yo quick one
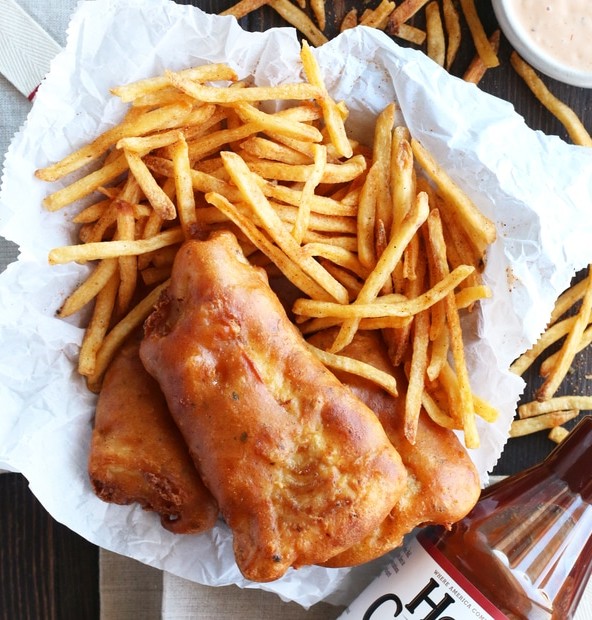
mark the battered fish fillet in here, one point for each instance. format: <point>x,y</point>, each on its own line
<point>442,484</point>
<point>137,453</point>
<point>300,467</point>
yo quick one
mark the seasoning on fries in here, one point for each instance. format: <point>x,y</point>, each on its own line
<point>292,186</point>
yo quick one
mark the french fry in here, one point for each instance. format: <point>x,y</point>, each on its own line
<point>98,326</point>
<point>331,114</point>
<point>289,268</point>
<point>417,374</point>
<point>350,20</point>
<point>519,428</point>
<point>410,33</point>
<point>436,46</point>
<point>453,31</point>
<point>384,267</point>
<point>478,227</point>
<point>477,68</point>
<point>252,194</point>
<point>213,94</point>
<point>567,299</point>
<point>214,72</point>
<point>300,20</point>
<point>558,403</point>
<point>304,208</point>
<point>548,337</point>
<point>119,333</point>
<point>386,306</point>
<point>381,151</point>
<point>569,348</point>
<point>90,288</point>
<point>404,11</point>
<point>338,256</point>
<point>333,173</point>
<point>548,364</point>
<point>159,200</point>
<point>243,8</point>
<point>482,44</point>
<point>85,185</point>
<point>366,218</point>
<point>184,187</point>
<point>569,119</point>
<point>128,268</point>
<point>114,249</point>
<point>378,18</point>
<point>318,9</point>
<point>468,296</point>
<point>163,118</point>
<point>355,367</point>
<point>558,433</point>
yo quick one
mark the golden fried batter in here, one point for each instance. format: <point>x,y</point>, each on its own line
<point>442,483</point>
<point>137,453</point>
<point>300,467</point>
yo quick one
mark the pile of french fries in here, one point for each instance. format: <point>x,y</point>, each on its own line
<point>373,237</point>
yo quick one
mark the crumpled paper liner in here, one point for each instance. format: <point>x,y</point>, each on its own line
<point>536,188</point>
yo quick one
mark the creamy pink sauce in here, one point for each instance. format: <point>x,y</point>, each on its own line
<point>562,28</point>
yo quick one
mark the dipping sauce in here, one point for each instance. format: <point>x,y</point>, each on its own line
<point>560,28</point>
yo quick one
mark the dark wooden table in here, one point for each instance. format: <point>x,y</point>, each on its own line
<point>49,573</point>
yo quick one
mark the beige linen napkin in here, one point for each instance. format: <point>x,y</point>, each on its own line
<point>131,590</point>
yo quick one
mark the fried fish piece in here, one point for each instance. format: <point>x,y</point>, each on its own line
<point>137,453</point>
<point>300,467</point>
<point>442,481</point>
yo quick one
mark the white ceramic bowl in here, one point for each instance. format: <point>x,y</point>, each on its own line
<point>535,53</point>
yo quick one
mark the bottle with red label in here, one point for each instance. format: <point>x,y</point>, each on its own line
<point>523,552</point>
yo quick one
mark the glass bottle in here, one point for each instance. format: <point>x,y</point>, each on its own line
<point>523,552</point>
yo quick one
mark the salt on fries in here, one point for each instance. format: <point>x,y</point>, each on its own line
<point>293,188</point>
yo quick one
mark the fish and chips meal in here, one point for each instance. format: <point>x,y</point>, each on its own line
<point>274,331</point>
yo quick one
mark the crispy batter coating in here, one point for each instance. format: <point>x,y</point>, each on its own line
<point>300,467</point>
<point>138,454</point>
<point>442,484</point>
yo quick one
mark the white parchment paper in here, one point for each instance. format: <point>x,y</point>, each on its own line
<point>536,188</point>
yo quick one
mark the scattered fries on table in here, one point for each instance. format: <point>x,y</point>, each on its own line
<point>435,24</point>
<point>362,231</point>
<point>550,411</point>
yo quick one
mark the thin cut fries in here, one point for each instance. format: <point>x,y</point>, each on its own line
<point>558,403</point>
<point>344,223</point>
<point>453,31</point>
<point>390,306</point>
<point>300,20</point>
<point>355,367</point>
<point>480,230</point>
<point>569,348</point>
<point>541,422</point>
<point>484,48</point>
<point>435,34</point>
<point>244,7</point>
<point>564,113</point>
<point>114,249</point>
<point>476,70</point>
